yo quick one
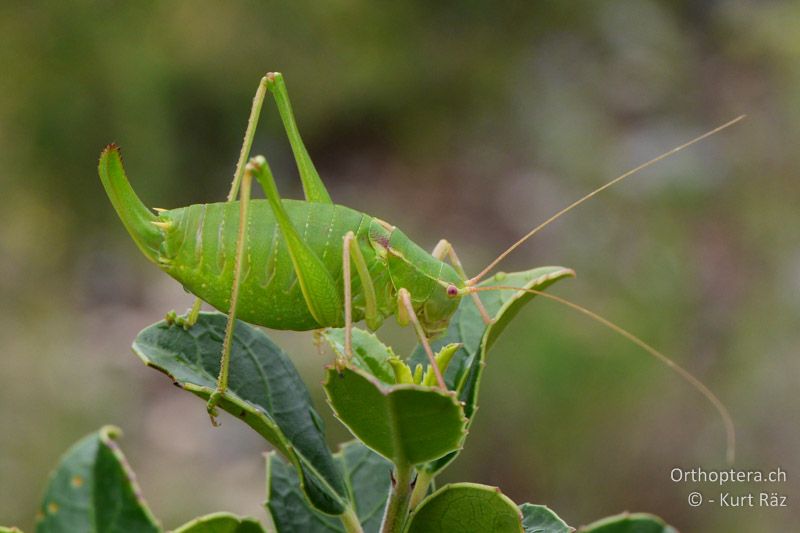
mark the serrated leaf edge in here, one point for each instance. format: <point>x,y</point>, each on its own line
<point>386,390</point>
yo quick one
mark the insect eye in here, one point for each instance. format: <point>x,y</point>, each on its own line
<point>452,291</point>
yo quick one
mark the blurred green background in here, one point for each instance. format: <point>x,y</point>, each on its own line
<point>467,120</point>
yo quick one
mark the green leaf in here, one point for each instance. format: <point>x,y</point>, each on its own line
<point>540,519</point>
<point>221,523</point>
<point>265,391</point>
<point>367,475</point>
<point>287,504</point>
<point>369,353</point>
<point>629,523</point>
<point>467,327</point>
<point>466,508</point>
<point>94,489</point>
<point>407,424</point>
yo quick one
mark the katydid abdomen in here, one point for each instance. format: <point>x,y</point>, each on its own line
<point>199,247</point>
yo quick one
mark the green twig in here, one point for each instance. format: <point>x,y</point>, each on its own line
<point>424,480</point>
<point>350,521</point>
<point>399,498</point>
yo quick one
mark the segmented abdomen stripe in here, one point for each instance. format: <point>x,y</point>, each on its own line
<point>198,239</point>
<point>202,250</point>
<point>328,234</point>
<point>272,258</point>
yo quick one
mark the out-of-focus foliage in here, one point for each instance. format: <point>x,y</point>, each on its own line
<point>466,120</point>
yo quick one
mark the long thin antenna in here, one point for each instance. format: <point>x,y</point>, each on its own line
<point>727,421</point>
<point>576,203</point>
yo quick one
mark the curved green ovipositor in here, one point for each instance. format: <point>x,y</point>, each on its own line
<point>264,391</point>
<point>136,217</point>
<point>468,329</point>
<point>94,489</point>
<point>466,508</point>
<point>629,523</point>
<point>407,424</point>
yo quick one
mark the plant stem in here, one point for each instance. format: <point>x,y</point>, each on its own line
<point>397,507</point>
<point>424,480</point>
<point>350,521</point>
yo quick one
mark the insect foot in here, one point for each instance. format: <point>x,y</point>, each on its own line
<point>171,317</point>
<point>211,407</point>
<point>184,321</point>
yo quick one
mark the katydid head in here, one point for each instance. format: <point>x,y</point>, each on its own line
<point>434,286</point>
<point>441,303</point>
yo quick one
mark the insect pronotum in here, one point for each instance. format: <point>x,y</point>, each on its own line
<point>288,264</point>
